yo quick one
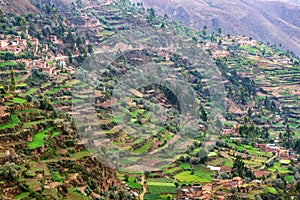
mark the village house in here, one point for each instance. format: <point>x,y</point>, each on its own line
<point>212,168</point>
<point>48,69</point>
<point>287,154</point>
<point>225,169</point>
<point>195,192</point>
<point>236,138</point>
<point>35,44</point>
<point>261,173</point>
<point>259,145</point>
<point>17,40</point>
<point>227,184</point>
<point>3,44</point>
<point>37,64</point>
<point>23,43</point>
<point>272,148</point>
<point>220,54</point>
<point>229,131</point>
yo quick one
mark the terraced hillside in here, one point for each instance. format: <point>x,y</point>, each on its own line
<point>43,158</point>
<point>125,76</point>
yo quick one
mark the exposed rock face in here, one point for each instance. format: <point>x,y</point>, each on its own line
<point>270,21</point>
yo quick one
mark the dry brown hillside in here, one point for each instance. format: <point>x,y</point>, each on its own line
<point>17,6</point>
<point>276,22</point>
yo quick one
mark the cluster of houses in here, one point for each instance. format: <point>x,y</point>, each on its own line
<point>277,150</point>
<point>229,131</point>
<point>16,44</point>
<point>50,68</point>
<point>195,192</point>
<point>215,189</point>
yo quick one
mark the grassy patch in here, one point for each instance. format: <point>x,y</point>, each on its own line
<point>72,194</point>
<point>54,134</point>
<point>272,190</point>
<point>32,91</point>
<point>8,64</point>
<point>145,148</point>
<point>13,122</point>
<point>19,100</point>
<point>185,166</point>
<point>39,139</point>
<point>21,196</point>
<point>134,185</point>
<point>55,90</point>
<point>151,196</point>
<point>172,170</point>
<point>159,189</point>
<point>212,154</point>
<point>186,176</point>
<point>80,155</point>
<point>56,176</point>
<point>285,162</point>
<point>160,184</point>
<point>289,179</point>
<point>160,180</point>
<point>106,33</point>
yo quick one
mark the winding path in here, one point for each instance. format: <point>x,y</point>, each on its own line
<point>144,188</point>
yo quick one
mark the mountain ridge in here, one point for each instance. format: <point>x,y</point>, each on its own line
<point>273,22</point>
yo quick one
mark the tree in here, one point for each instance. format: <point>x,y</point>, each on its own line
<point>147,174</point>
<point>1,15</point>
<point>152,12</point>
<point>278,183</point>
<point>70,38</point>
<point>88,191</point>
<point>220,31</point>
<point>8,171</point>
<point>203,154</point>
<point>126,178</point>
<point>203,114</point>
<point>70,57</point>
<point>90,49</point>
<point>204,30</point>
<point>78,41</point>
<point>239,166</point>
<point>28,97</point>
<point>249,112</point>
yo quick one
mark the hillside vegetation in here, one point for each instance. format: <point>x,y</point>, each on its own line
<point>103,100</point>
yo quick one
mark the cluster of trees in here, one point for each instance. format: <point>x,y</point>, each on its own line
<point>242,87</point>
<point>239,169</point>
<point>7,55</point>
<point>287,139</point>
<point>199,158</point>
<point>247,130</point>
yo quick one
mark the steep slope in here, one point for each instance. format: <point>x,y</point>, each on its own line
<point>17,6</point>
<point>270,21</point>
<point>261,82</point>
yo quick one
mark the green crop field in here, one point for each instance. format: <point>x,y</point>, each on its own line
<point>19,100</point>
<point>13,122</point>
<point>39,139</point>
<point>186,176</point>
<point>23,195</point>
<point>159,189</point>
